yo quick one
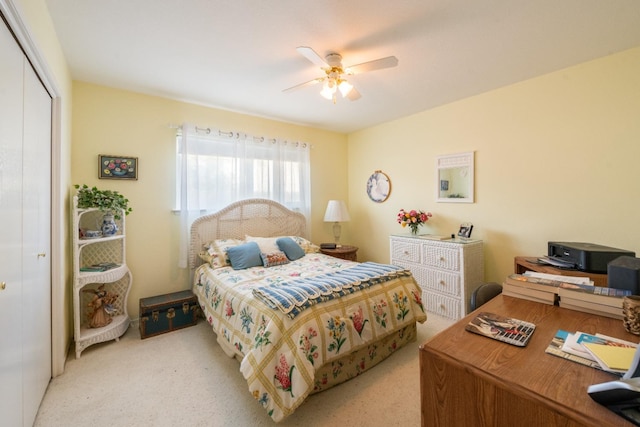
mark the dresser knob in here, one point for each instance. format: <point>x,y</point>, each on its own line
<point>442,283</point>
<point>442,259</point>
<point>442,306</point>
<point>406,252</point>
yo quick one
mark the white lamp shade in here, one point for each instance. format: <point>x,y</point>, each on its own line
<point>345,87</point>
<point>328,89</point>
<point>336,212</point>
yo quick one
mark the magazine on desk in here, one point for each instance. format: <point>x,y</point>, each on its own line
<point>571,346</point>
<point>557,348</point>
<point>501,328</point>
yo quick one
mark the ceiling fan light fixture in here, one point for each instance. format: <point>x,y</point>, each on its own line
<point>345,87</point>
<point>328,89</point>
<point>333,69</point>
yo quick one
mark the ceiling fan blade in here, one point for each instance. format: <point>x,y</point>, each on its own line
<point>353,95</point>
<point>305,84</point>
<point>376,64</point>
<point>312,56</point>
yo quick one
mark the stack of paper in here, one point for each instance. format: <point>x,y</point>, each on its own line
<point>531,288</point>
<point>576,280</point>
<point>572,292</point>
<point>593,299</point>
<point>556,348</point>
<point>556,262</point>
<point>613,358</point>
<point>610,354</point>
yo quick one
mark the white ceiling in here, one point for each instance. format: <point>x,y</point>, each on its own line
<point>239,55</point>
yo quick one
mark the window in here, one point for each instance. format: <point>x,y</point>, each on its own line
<point>217,168</point>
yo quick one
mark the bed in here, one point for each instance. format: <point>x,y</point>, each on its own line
<point>299,322</point>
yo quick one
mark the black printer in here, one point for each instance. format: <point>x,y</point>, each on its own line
<point>586,256</point>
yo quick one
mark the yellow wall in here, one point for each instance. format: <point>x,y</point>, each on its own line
<point>116,122</point>
<point>557,158</point>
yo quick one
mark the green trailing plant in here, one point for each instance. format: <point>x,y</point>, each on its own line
<point>107,201</point>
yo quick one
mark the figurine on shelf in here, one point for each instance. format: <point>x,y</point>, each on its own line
<point>102,305</point>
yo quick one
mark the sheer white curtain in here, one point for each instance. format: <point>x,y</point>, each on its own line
<point>215,168</point>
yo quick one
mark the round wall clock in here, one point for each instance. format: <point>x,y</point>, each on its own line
<point>378,187</point>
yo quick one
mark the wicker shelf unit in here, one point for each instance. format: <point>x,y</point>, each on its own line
<point>118,280</point>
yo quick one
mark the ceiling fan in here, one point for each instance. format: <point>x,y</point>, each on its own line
<point>334,79</point>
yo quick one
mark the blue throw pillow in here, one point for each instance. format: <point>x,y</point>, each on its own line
<point>244,256</point>
<point>290,248</point>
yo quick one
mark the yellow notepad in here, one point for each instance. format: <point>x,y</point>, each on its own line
<point>614,357</point>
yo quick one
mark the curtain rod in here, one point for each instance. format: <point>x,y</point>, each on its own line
<point>237,135</point>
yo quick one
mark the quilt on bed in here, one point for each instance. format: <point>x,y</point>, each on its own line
<point>279,354</point>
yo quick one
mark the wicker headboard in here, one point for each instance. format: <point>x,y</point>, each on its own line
<point>253,217</point>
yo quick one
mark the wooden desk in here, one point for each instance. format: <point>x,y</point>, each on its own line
<point>527,263</point>
<point>471,380</point>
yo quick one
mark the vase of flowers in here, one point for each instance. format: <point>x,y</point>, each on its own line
<point>413,219</point>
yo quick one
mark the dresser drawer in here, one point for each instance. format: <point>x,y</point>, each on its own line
<point>405,251</point>
<point>442,305</point>
<point>439,281</point>
<point>441,257</point>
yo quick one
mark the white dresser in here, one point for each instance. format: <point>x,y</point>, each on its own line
<point>448,271</point>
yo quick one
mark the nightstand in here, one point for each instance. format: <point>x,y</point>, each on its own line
<point>343,252</point>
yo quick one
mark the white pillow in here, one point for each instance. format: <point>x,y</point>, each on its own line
<point>215,253</point>
<point>267,245</point>
<point>306,245</point>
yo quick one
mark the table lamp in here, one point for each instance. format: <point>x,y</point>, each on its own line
<point>336,212</point>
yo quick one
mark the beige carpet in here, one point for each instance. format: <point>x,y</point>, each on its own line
<point>184,378</point>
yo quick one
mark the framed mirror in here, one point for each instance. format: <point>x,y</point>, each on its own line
<point>454,181</point>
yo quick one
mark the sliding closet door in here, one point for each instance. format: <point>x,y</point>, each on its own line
<point>25,236</point>
<point>36,249</point>
<point>11,70</point>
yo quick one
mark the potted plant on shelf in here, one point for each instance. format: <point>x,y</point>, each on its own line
<point>110,202</point>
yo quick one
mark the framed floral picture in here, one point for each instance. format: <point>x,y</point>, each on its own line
<point>117,167</point>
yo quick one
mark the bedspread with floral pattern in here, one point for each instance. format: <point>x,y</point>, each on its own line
<point>280,355</point>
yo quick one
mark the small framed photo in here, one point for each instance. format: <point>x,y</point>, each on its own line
<point>117,167</point>
<point>444,185</point>
<point>465,230</point>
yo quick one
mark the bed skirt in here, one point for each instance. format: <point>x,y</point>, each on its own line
<point>354,364</point>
